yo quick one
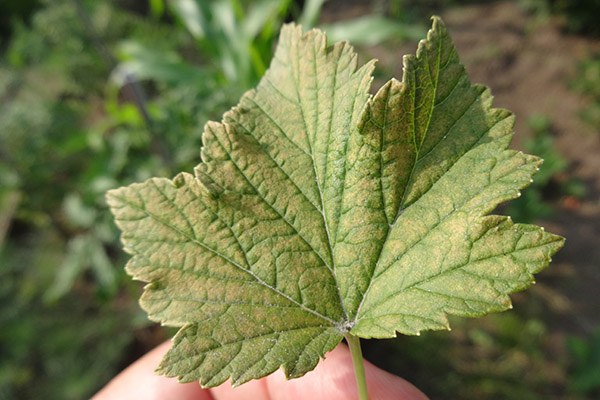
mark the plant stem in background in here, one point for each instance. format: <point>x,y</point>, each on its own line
<point>359,367</point>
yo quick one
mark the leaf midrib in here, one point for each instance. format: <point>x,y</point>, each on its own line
<point>449,215</point>
<point>415,285</point>
<point>417,150</point>
<point>295,75</point>
<point>256,190</point>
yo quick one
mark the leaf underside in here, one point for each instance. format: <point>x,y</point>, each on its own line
<point>320,210</point>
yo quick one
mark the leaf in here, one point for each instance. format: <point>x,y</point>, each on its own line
<point>370,30</point>
<point>143,62</point>
<point>319,210</point>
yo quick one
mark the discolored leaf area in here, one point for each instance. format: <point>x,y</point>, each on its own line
<point>320,210</point>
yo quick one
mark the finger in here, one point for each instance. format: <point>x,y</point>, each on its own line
<point>139,381</point>
<point>251,390</point>
<point>332,379</point>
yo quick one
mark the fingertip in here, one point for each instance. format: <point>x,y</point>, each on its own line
<point>383,385</point>
<point>334,379</point>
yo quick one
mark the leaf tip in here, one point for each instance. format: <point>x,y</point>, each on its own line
<point>437,22</point>
<point>179,180</point>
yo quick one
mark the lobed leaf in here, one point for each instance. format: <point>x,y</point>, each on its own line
<point>319,210</point>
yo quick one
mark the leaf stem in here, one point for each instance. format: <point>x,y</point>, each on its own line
<point>359,367</point>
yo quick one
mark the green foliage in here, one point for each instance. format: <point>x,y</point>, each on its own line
<point>68,133</point>
<point>588,83</point>
<point>371,30</point>
<point>61,147</point>
<point>232,44</point>
<point>320,210</point>
<point>585,378</point>
<point>581,15</point>
<point>551,182</point>
<point>52,350</point>
<point>11,11</point>
<point>509,356</point>
<point>578,16</point>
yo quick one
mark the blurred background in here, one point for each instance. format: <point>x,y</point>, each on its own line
<point>95,94</point>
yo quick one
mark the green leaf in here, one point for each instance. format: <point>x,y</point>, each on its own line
<point>146,63</point>
<point>370,30</point>
<point>319,210</point>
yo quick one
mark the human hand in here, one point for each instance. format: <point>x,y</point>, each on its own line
<point>332,379</point>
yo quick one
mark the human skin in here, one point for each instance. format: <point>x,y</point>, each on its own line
<point>332,379</point>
